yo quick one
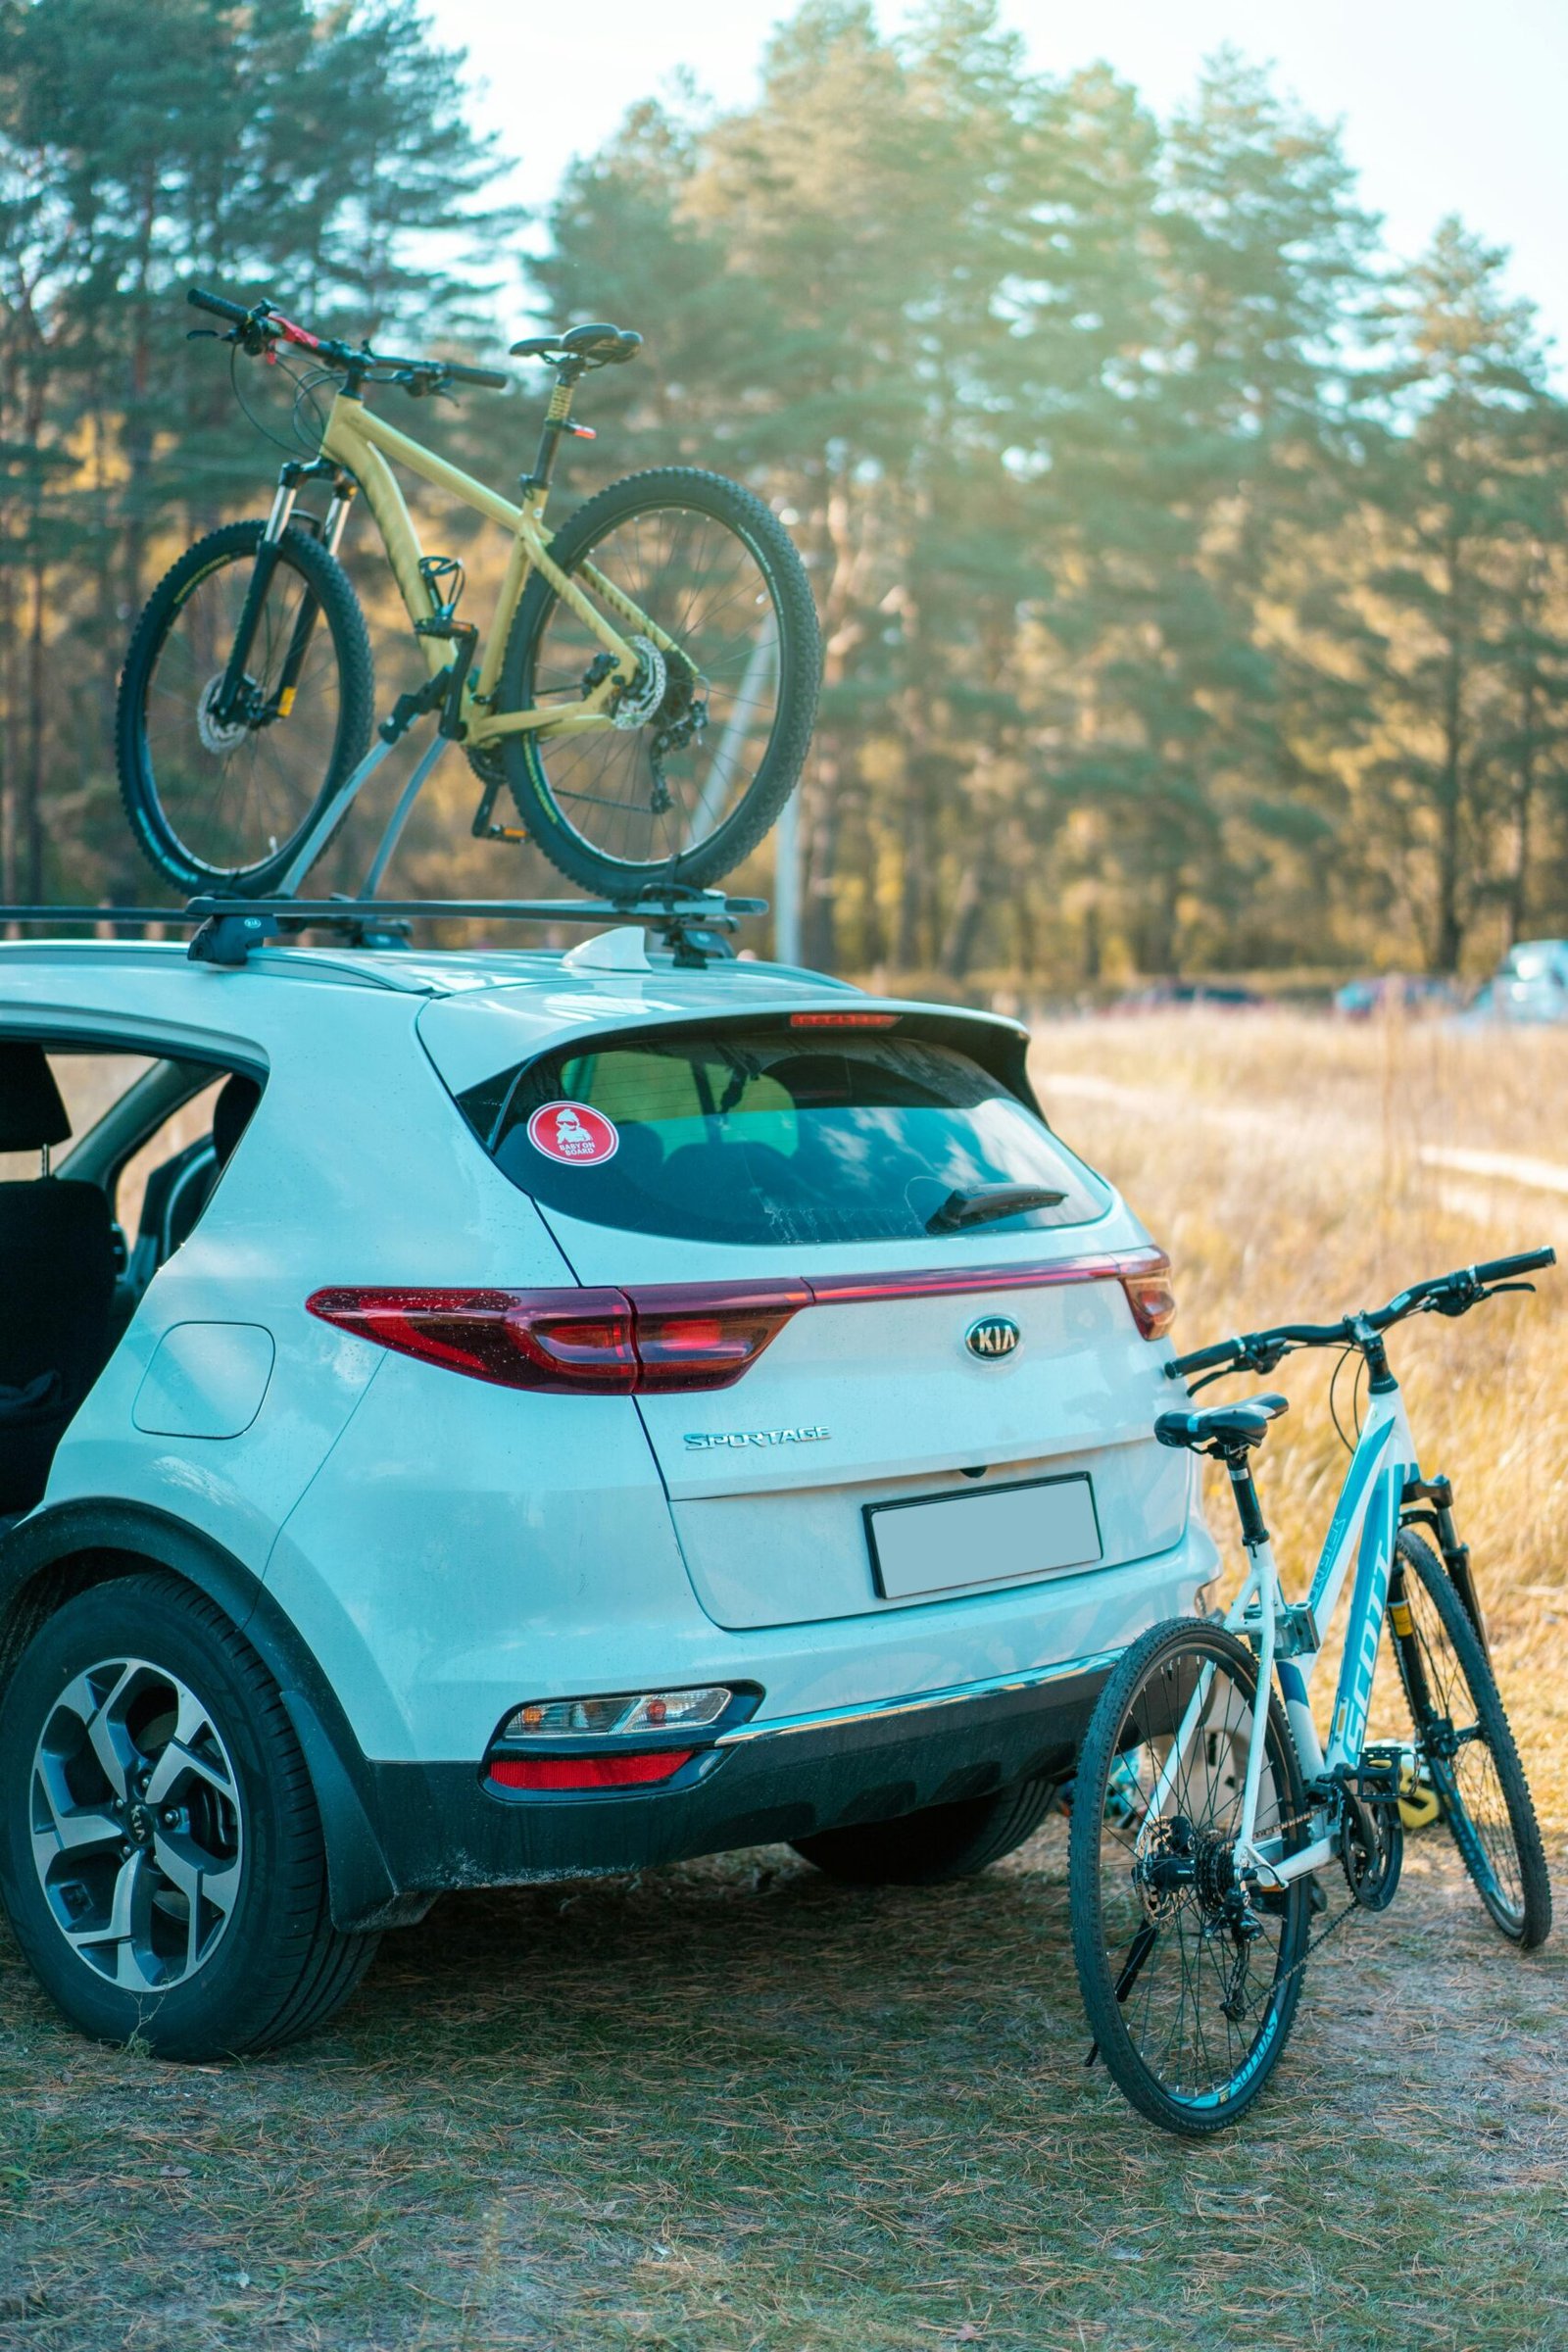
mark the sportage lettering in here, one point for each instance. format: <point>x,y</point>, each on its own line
<point>702,1440</point>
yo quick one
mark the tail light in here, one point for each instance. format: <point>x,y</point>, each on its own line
<point>679,1336</point>
<point>622,1742</point>
<point>703,1336</point>
<point>518,1339</point>
<point>1150,1296</point>
<point>687,1335</point>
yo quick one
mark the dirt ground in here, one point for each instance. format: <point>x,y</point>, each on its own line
<point>733,2108</point>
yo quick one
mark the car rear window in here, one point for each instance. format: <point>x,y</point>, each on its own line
<point>775,1137</point>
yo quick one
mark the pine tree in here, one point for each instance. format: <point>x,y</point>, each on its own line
<point>1468,484</point>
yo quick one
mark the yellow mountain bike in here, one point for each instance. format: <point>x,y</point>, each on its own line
<point>645,691</point>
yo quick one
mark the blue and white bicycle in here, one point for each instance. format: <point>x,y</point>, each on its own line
<point>1197,1847</point>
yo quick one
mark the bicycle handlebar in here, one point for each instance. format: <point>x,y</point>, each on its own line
<point>220,306</point>
<point>1445,1293</point>
<point>266,324</point>
<point>1505,1269</point>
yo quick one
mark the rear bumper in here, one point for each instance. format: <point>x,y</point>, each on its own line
<point>441,1828</point>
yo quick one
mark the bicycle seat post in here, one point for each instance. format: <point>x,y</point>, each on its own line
<point>558,421</point>
<point>1249,1509</point>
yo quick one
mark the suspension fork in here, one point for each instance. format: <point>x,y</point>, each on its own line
<point>289,478</point>
<point>1439,1495</point>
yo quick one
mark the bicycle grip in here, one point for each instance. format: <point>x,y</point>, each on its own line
<point>220,306</point>
<point>1503,1269</point>
<point>490,379</point>
<point>1224,1353</point>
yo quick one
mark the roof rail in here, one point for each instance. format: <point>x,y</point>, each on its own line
<point>694,923</point>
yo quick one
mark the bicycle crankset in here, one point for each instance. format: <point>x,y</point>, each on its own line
<point>1371,1833</point>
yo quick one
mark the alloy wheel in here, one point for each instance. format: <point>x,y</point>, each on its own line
<point>137,1824</point>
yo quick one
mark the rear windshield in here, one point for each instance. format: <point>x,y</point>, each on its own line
<point>777,1138</point>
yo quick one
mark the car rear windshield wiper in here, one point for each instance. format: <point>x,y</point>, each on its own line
<point>989,1201</point>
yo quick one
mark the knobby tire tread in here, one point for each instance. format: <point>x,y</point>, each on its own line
<point>736,838</point>
<point>1475,1667</point>
<point>138,787</point>
<point>1106,2020</point>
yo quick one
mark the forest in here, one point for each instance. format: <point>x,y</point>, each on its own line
<point>1193,572</point>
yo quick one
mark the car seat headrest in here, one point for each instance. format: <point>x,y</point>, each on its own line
<point>32,1115</point>
<point>231,1114</point>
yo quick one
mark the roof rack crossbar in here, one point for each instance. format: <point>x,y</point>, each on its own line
<point>692,922</point>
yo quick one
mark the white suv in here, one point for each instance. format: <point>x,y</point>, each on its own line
<point>553,1414</point>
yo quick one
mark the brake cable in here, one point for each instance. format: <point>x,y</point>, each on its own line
<point>300,383</point>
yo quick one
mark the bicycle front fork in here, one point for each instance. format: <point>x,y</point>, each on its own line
<point>236,696</point>
<point>1437,1494</point>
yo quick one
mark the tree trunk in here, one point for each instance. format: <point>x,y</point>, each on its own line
<point>819,939</point>
<point>1525,769</point>
<point>1449,938</point>
<point>31,827</point>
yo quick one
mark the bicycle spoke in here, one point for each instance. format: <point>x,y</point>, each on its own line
<point>690,575</point>
<point>232,792</point>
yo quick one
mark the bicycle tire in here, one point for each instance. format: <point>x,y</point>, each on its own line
<point>1148,1692</point>
<point>1522,1912</point>
<point>701,862</point>
<point>155,827</point>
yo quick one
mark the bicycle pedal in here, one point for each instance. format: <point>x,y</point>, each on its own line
<point>1378,1776</point>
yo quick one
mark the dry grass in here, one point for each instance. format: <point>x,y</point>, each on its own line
<point>733,2109</point>
<point>1297,1168</point>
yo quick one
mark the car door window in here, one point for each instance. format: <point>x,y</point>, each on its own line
<point>90,1084</point>
<point>181,1137</point>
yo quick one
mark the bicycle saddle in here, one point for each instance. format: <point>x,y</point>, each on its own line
<point>1221,1428</point>
<point>598,344</point>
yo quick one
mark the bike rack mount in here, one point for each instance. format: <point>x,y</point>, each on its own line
<point>694,924</point>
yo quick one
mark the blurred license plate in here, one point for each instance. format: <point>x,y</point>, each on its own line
<point>953,1543</point>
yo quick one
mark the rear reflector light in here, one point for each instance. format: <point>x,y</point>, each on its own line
<point>588,1771</point>
<point>844,1021</point>
<point>1150,1296</point>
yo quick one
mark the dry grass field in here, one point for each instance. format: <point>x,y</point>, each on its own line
<point>729,2108</point>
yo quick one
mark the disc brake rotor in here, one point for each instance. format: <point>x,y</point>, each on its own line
<point>218,736</point>
<point>637,703</point>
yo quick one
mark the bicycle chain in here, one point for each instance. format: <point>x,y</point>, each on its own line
<point>1298,1821</point>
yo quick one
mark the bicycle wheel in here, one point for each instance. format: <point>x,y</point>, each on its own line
<point>708,742</point>
<point>1190,1977</point>
<point>1465,1748</point>
<point>221,804</point>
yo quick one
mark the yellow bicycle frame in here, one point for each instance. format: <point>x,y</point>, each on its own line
<point>363,443</point>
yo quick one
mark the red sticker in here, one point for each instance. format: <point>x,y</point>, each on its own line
<point>574,1133</point>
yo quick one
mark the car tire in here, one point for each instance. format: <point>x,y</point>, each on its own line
<point>161,1854</point>
<point>931,1848</point>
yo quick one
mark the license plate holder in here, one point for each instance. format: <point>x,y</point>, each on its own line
<point>1028,1528</point>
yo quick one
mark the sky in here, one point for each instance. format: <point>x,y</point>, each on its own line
<point>1446,105</point>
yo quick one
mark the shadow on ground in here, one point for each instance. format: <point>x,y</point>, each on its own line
<point>733,2108</point>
